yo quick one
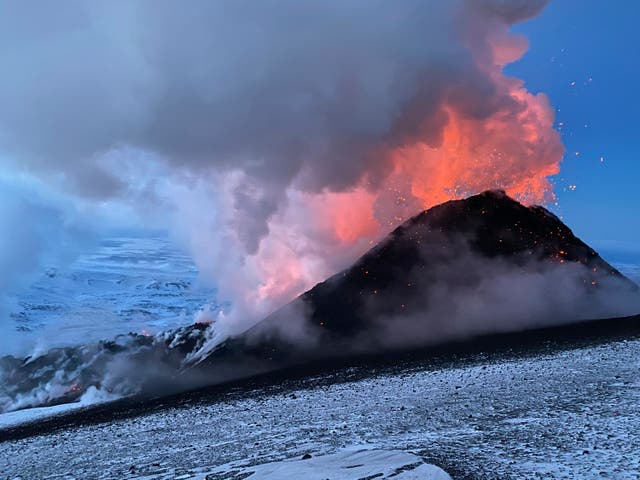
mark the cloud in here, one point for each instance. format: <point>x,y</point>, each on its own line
<point>286,113</point>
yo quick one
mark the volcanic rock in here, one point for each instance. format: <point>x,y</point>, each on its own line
<point>456,270</point>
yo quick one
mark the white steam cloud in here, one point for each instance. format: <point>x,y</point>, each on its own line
<point>279,138</point>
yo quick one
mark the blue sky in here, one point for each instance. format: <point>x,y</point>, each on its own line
<point>592,43</point>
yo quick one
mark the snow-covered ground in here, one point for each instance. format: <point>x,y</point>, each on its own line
<point>569,414</point>
<point>92,397</point>
<point>129,284</point>
<point>19,417</point>
<point>344,465</point>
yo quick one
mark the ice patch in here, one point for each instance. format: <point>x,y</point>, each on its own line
<point>345,465</point>
<point>19,417</point>
<point>92,396</point>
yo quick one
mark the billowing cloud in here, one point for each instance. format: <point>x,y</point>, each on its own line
<point>291,134</point>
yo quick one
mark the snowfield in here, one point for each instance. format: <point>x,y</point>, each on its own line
<point>128,284</point>
<point>564,414</point>
<point>382,464</point>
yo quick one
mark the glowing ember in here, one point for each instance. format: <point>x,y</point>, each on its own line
<point>73,389</point>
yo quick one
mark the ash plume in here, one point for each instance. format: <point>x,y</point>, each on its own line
<point>284,137</point>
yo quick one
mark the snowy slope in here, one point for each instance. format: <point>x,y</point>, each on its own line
<point>564,415</point>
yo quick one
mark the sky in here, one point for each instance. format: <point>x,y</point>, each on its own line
<point>591,43</point>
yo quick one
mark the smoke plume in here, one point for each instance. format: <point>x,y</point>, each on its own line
<point>281,138</point>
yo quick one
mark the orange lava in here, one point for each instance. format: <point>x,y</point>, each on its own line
<point>515,148</point>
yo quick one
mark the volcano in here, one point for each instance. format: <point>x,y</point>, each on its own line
<point>481,265</point>
<point>464,270</point>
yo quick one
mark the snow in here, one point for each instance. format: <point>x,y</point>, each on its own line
<point>345,465</point>
<point>19,417</point>
<point>561,415</point>
<point>92,397</point>
<point>349,464</point>
<point>139,284</point>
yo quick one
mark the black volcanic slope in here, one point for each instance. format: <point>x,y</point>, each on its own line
<point>461,270</point>
<point>493,224</point>
<point>455,244</point>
